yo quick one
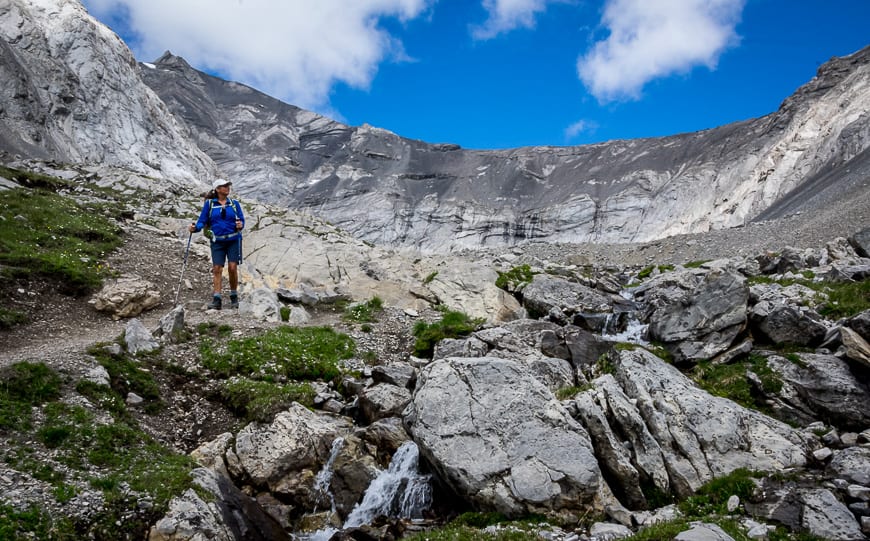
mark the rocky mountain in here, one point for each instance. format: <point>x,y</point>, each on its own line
<point>73,93</point>
<point>396,191</point>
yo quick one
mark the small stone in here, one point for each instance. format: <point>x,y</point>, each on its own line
<point>733,503</point>
<point>858,492</point>
<point>823,454</point>
<point>134,399</point>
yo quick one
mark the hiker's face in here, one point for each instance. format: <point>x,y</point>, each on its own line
<point>224,188</point>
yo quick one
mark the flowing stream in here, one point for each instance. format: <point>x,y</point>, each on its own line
<point>400,491</point>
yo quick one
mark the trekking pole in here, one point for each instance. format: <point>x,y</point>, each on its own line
<point>183,265</point>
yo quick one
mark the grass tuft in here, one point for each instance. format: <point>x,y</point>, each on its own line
<point>451,325</point>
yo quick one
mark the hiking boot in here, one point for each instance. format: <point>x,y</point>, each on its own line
<point>215,303</point>
<point>234,301</point>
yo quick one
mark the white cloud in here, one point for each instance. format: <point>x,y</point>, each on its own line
<point>296,50</point>
<point>581,126</point>
<point>505,15</point>
<point>656,38</point>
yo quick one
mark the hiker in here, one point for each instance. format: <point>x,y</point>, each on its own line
<point>223,220</point>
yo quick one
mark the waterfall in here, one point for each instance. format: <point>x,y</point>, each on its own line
<point>399,491</point>
<point>324,476</point>
<point>634,332</point>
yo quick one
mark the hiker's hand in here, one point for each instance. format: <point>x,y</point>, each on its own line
<point>238,225</point>
<point>192,228</point>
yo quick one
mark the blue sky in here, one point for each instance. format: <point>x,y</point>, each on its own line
<point>506,73</point>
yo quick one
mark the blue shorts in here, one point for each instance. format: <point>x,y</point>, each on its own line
<point>223,250</point>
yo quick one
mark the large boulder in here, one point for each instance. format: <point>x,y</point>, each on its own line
<point>547,292</point>
<point>285,455</point>
<point>696,314</point>
<point>501,441</point>
<point>225,514</point>
<point>824,385</point>
<point>697,436</point>
<point>127,296</point>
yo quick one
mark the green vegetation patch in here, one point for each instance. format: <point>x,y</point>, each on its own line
<point>46,234</point>
<point>298,353</point>
<point>114,456</point>
<point>514,278</point>
<point>261,400</point>
<point>24,385</point>
<point>835,299</point>
<point>365,312</point>
<point>128,375</point>
<point>712,497</point>
<point>730,380</point>
<point>451,325</point>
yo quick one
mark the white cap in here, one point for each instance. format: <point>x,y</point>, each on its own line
<point>219,182</point>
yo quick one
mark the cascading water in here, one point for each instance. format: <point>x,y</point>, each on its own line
<point>634,331</point>
<point>324,477</point>
<point>400,491</point>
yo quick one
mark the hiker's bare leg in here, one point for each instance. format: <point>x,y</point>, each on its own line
<point>233,271</point>
<point>217,273</point>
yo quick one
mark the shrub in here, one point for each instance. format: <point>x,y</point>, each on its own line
<point>451,325</point>
<point>514,278</point>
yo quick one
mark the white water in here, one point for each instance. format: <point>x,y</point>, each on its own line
<point>400,491</point>
<point>324,477</point>
<point>634,332</point>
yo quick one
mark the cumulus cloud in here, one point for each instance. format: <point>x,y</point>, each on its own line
<point>296,50</point>
<point>656,38</point>
<point>506,15</point>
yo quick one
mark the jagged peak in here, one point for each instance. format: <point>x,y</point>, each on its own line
<point>169,60</point>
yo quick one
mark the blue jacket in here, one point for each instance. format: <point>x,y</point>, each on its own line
<point>224,227</point>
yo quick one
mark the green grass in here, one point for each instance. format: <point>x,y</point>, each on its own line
<point>127,375</point>
<point>24,385</point>
<point>364,312</point>
<point>712,497</point>
<point>514,278</point>
<point>261,400</point>
<point>82,448</point>
<point>844,299</point>
<point>731,381</point>
<point>451,325</point>
<point>429,277</point>
<point>52,236</point>
<point>298,353</point>
<point>569,392</point>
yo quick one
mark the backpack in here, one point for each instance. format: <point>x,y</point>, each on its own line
<point>206,230</point>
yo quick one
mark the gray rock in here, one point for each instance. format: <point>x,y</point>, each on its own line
<point>827,517</point>
<point>860,324</point>
<point>607,531</point>
<point>857,348</point>
<point>701,531</point>
<point>784,324</point>
<point>383,400</point>
<point>284,455</point>
<point>459,347</point>
<point>139,339</point>
<point>128,296</point>
<point>502,441</point>
<point>825,385</point>
<point>702,317</point>
<point>223,516</point>
<point>400,375</point>
<point>860,241</point>
<point>547,292</point>
<point>171,325</point>
<point>852,464</point>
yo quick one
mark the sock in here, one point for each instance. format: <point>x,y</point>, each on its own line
<point>233,293</point>
<point>218,295</point>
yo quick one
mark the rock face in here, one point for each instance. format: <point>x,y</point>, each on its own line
<point>680,436</point>
<point>75,94</point>
<point>72,93</point>
<point>395,191</point>
<point>501,440</point>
